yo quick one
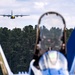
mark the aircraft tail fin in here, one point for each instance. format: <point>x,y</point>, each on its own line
<point>11,12</point>
<point>71,49</point>
<point>72,71</point>
<point>4,64</point>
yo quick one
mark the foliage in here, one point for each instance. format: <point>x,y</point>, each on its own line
<point>18,46</point>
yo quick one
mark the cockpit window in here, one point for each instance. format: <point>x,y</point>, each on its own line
<point>51,27</point>
<point>51,38</point>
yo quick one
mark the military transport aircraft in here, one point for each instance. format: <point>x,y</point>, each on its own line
<point>12,16</point>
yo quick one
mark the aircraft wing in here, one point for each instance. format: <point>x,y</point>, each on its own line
<point>5,15</point>
<point>20,15</point>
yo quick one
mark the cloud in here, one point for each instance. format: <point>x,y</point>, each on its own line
<point>4,3</point>
<point>39,5</point>
<point>35,9</point>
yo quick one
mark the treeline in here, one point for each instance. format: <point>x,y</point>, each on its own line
<point>18,46</point>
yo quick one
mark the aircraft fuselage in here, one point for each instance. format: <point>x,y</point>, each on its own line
<point>12,17</point>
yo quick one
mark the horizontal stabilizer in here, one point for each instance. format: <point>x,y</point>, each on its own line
<point>4,63</point>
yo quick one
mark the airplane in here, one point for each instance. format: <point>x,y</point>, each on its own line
<point>51,61</point>
<point>12,16</point>
<point>48,60</point>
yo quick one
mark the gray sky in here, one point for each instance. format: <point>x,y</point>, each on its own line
<point>35,8</point>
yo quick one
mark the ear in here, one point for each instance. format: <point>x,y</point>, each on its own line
<point>34,69</point>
